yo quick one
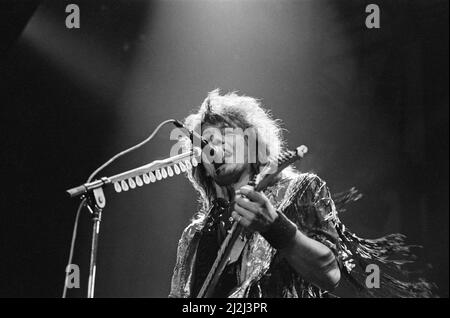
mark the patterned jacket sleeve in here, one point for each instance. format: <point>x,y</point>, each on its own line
<point>315,213</point>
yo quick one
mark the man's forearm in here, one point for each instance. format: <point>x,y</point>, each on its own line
<point>313,260</point>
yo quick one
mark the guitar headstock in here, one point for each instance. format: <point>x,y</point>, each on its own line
<point>272,169</point>
<point>288,157</point>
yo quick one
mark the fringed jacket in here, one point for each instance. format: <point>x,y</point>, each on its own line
<point>262,272</point>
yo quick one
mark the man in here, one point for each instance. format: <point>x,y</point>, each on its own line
<point>293,244</point>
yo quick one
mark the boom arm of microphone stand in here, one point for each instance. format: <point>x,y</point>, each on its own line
<point>157,164</point>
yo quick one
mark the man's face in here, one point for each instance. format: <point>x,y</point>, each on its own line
<point>226,169</point>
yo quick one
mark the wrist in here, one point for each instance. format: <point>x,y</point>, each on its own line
<point>281,233</point>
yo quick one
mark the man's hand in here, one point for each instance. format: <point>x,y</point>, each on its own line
<point>253,210</point>
<point>308,257</point>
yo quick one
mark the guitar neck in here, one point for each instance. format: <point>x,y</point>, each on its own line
<point>220,263</point>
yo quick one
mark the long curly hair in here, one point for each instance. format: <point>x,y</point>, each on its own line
<point>238,111</point>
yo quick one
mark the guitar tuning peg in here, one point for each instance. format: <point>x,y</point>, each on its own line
<point>146,178</point>
<point>163,173</point>
<point>117,187</point>
<point>131,183</point>
<point>302,150</point>
<point>124,185</point>
<point>169,171</point>
<point>139,181</point>
<point>152,177</point>
<point>176,168</point>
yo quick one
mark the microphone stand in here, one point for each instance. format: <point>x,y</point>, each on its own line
<point>96,201</point>
<point>95,204</point>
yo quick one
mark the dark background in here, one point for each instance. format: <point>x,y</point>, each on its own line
<point>372,105</point>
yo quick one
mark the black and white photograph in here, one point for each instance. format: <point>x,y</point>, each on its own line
<point>224,149</point>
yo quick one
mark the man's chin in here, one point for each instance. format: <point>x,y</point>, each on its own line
<point>226,175</point>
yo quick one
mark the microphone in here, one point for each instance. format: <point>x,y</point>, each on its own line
<point>215,152</point>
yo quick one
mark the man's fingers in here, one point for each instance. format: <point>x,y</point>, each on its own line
<point>240,219</point>
<point>247,204</point>
<point>252,194</point>
<point>244,213</point>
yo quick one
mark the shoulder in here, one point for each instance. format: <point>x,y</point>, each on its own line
<point>310,204</point>
<point>308,187</point>
<point>310,193</point>
<point>302,189</point>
